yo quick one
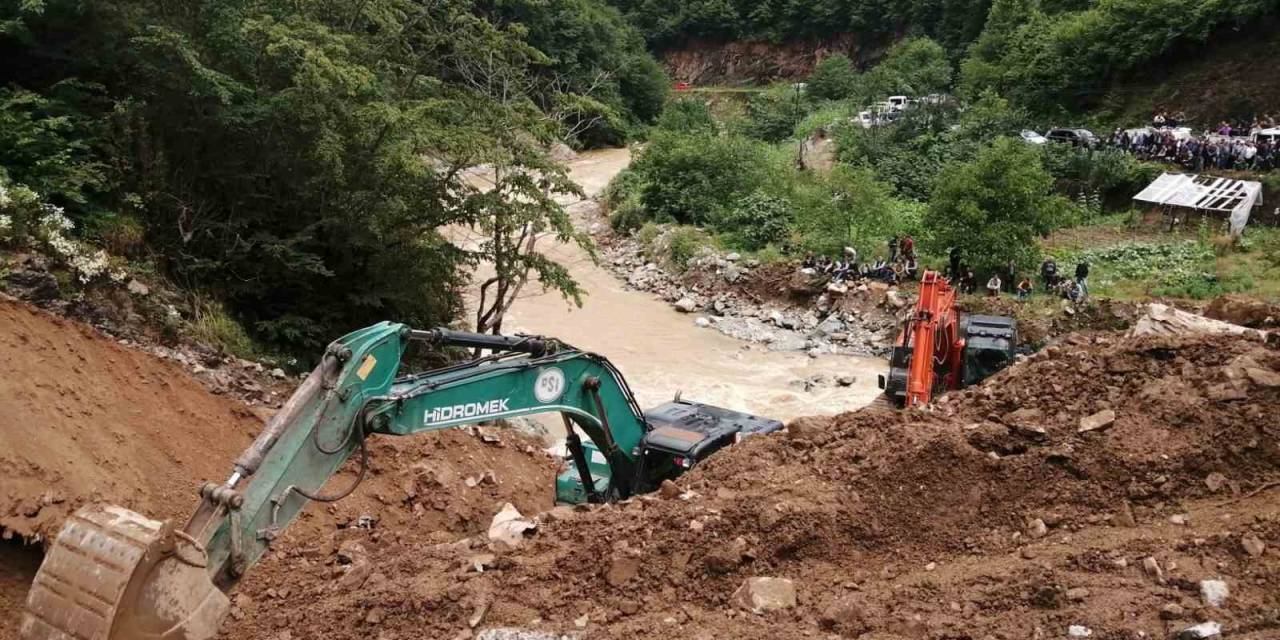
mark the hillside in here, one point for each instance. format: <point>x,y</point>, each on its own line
<point>1231,76</point>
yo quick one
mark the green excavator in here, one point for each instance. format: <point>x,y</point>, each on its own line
<point>112,574</point>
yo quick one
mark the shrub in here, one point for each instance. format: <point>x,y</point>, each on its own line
<point>212,325</point>
<point>772,116</point>
<point>686,115</point>
<point>628,216</point>
<point>684,244</point>
<point>691,179</point>
<point>757,221</point>
<point>622,187</point>
<point>835,78</point>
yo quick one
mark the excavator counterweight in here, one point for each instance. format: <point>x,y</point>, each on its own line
<point>112,574</point>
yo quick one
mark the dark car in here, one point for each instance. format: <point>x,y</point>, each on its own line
<point>1074,137</point>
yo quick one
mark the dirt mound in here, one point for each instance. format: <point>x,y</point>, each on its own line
<point>1041,320</point>
<point>1245,311</point>
<point>1094,484</point>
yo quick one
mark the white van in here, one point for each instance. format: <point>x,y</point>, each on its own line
<point>897,103</point>
<point>1267,135</point>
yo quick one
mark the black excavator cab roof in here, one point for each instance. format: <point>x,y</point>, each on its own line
<point>990,343</point>
<point>693,430</point>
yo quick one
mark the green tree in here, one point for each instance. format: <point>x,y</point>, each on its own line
<point>858,207</point>
<point>912,67</point>
<point>757,221</point>
<point>296,161</point>
<point>835,78</point>
<point>772,115</point>
<point>693,179</point>
<point>995,207</point>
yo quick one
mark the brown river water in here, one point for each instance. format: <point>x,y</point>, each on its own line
<point>661,351</point>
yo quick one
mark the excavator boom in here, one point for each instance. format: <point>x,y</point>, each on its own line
<point>112,574</point>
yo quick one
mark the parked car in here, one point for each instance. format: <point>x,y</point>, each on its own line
<point>1032,137</point>
<point>897,103</point>
<point>1074,137</point>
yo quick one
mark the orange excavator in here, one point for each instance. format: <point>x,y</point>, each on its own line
<point>942,348</point>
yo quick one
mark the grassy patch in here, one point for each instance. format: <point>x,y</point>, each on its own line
<point>212,325</point>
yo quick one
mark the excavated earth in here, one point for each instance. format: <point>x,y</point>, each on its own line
<point>87,419</point>
<point>1090,488</point>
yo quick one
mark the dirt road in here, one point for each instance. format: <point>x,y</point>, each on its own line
<point>662,352</point>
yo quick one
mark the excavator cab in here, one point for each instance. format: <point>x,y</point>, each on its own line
<point>685,433</point>
<point>681,434</point>
<point>990,343</point>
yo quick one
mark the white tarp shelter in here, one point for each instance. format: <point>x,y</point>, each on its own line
<point>1236,198</point>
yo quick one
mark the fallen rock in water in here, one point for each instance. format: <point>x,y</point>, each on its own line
<point>760,595</point>
<point>1214,592</point>
<point>1099,420</point>
<point>686,305</point>
<point>509,526</point>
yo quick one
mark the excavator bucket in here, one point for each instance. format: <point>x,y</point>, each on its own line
<point>112,574</point>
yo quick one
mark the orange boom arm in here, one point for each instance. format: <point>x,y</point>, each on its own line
<point>933,335</point>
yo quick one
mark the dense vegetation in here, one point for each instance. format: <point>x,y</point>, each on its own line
<point>1051,56</point>
<point>293,163</point>
<point>669,22</point>
<point>951,174</point>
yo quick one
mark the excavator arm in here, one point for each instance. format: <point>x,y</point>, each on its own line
<point>115,575</point>
<point>928,355</point>
<point>941,349</point>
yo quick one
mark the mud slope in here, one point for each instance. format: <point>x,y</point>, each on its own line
<point>991,516</point>
<point>85,418</point>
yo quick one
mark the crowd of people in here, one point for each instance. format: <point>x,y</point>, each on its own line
<point>902,264</point>
<point>1226,146</point>
<point>1051,279</point>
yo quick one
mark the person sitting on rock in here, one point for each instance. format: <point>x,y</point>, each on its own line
<point>913,268</point>
<point>993,286</point>
<point>809,261</point>
<point>908,247</point>
<point>841,271</point>
<point>1024,289</point>
<point>968,281</point>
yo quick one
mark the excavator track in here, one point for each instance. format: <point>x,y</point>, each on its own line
<point>82,582</point>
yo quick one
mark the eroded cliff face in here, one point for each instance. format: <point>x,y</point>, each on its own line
<point>707,61</point>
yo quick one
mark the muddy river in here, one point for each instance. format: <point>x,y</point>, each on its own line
<point>661,351</point>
